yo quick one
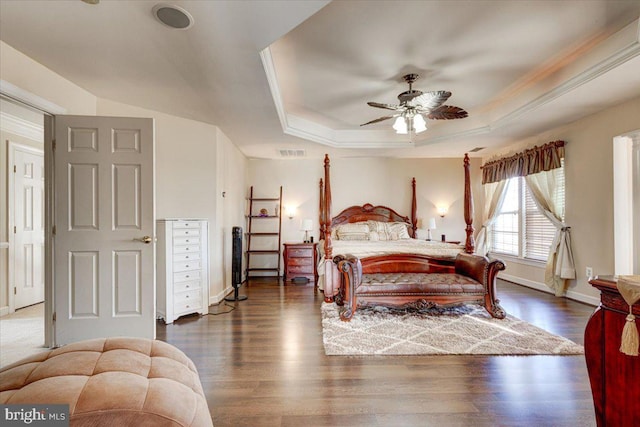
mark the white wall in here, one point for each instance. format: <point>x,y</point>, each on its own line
<point>189,158</point>
<point>379,181</point>
<point>29,75</point>
<point>589,193</point>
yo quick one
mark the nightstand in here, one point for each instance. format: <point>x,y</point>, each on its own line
<point>300,260</point>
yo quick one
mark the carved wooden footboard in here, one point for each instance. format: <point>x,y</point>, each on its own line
<point>417,282</point>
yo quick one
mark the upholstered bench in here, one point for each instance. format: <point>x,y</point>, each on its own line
<point>111,382</point>
<point>470,279</point>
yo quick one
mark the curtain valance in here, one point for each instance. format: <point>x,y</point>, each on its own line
<point>528,162</point>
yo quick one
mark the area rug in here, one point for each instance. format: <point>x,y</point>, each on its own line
<point>464,330</point>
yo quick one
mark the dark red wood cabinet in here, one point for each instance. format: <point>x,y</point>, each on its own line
<point>300,260</point>
<point>614,376</point>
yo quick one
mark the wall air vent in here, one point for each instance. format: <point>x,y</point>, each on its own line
<point>475,150</point>
<point>292,154</point>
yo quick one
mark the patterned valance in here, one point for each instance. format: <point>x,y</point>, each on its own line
<point>528,162</point>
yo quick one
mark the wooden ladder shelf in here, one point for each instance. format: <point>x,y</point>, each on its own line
<point>258,239</point>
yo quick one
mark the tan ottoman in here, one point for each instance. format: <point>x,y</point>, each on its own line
<point>112,381</point>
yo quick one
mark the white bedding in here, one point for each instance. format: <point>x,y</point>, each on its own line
<point>367,248</point>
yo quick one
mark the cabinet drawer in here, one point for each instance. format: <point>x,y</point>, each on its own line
<point>186,286</point>
<point>187,266</point>
<point>186,276</point>
<point>306,269</point>
<point>299,261</point>
<point>194,256</point>
<point>183,249</point>
<point>189,240</point>
<point>187,296</point>
<point>184,232</point>
<point>186,307</point>
<point>186,224</point>
<point>299,253</point>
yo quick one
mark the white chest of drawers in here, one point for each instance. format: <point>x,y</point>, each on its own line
<point>182,267</point>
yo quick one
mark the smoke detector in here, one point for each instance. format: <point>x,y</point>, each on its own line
<point>173,16</point>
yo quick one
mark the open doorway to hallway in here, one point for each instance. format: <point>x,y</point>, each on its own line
<point>21,228</point>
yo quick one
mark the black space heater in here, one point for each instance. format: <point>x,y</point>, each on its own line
<point>236,265</point>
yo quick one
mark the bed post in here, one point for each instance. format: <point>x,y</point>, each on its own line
<point>328,250</point>
<point>321,210</point>
<point>414,209</point>
<point>469,245</point>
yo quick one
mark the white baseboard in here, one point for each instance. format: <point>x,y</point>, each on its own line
<point>542,287</point>
<point>4,310</point>
<point>216,299</point>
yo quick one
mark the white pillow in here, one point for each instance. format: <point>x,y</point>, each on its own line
<point>353,231</point>
<point>398,230</point>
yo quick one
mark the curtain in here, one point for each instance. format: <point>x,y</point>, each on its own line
<point>528,162</point>
<point>560,265</point>
<point>494,196</point>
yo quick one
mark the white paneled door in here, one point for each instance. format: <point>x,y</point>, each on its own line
<point>28,221</point>
<point>104,245</point>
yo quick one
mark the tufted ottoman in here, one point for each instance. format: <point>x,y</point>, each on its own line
<point>111,382</point>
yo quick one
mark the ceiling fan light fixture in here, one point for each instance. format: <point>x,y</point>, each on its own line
<point>400,125</point>
<point>419,125</point>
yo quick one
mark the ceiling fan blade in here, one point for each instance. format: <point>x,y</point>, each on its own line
<point>429,100</point>
<point>386,106</point>
<point>380,119</point>
<point>447,112</point>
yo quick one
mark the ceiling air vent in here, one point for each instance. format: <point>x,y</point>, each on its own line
<point>173,16</point>
<point>475,150</point>
<point>292,154</point>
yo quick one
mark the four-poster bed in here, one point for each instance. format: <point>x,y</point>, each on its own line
<point>368,250</point>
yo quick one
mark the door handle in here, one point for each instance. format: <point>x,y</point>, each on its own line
<point>145,239</point>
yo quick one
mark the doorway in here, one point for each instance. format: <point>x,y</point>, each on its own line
<point>21,225</point>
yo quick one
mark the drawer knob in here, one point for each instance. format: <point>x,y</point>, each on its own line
<point>187,266</point>
<point>188,306</point>
<point>187,296</point>
<point>186,249</point>
<point>187,240</point>
<point>187,286</point>
<point>186,232</point>
<point>187,276</point>
<point>187,257</point>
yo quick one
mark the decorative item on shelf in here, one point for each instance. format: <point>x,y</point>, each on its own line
<point>306,225</point>
<point>432,226</point>
<point>264,212</point>
<point>442,211</point>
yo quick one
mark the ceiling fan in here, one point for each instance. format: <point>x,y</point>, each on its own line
<point>415,103</point>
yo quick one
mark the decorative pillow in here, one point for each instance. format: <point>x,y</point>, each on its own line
<point>398,230</point>
<point>380,228</point>
<point>353,231</point>
<point>374,236</point>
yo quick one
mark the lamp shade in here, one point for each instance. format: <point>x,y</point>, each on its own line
<point>419,125</point>
<point>306,225</point>
<point>432,223</point>
<point>400,125</point>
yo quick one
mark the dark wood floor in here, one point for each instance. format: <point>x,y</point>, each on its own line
<point>263,364</point>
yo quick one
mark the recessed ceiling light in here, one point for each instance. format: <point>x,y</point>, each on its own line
<point>173,16</point>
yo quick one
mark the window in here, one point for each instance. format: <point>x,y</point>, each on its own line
<point>520,229</point>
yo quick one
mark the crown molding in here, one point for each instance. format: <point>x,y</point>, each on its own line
<point>625,45</point>
<point>21,127</point>
<point>30,99</point>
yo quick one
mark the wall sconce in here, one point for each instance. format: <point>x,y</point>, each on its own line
<point>291,211</point>
<point>442,211</point>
